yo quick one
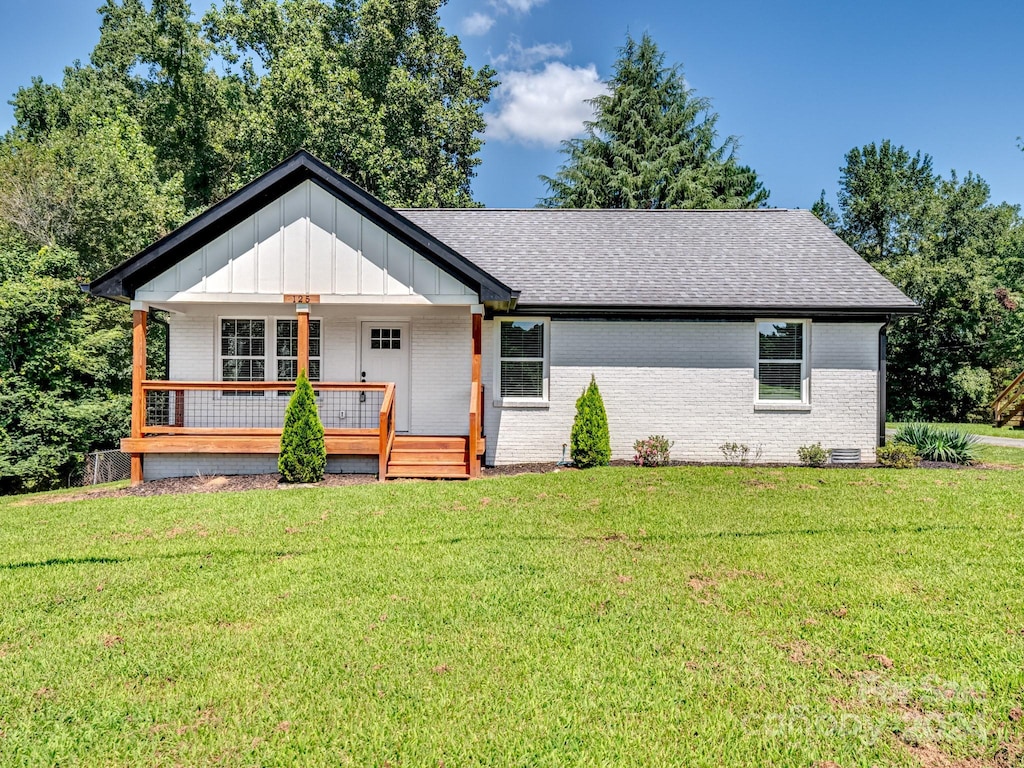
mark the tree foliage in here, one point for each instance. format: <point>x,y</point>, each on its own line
<point>376,88</point>
<point>63,362</point>
<point>653,143</point>
<point>303,456</point>
<point>590,442</point>
<point>957,254</point>
<point>170,113</point>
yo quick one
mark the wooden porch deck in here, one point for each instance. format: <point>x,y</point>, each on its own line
<point>180,417</point>
<point>235,417</point>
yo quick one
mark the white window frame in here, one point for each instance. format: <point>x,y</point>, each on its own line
<point>524,402</point>
<point>219,363</point>
<point>319,357</point>
<point>805,367</point>
<point>270,355</point>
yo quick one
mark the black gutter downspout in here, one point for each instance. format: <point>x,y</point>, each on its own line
<point>883,344</point>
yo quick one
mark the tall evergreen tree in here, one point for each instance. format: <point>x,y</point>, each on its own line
<point>653,143</point>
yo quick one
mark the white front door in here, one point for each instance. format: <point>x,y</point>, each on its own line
<point>385,357</point>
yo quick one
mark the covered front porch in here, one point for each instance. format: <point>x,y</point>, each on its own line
<point>182,416</point>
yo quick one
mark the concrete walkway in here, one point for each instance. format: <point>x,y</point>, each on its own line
<point>1006,442</point>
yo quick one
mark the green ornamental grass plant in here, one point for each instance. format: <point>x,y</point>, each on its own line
<point>303,456</point>
<point>934,443</point>
<point>590,443</point>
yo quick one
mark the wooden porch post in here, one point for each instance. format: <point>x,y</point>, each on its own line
<point>475,416</point>
<point>140,315</point>
<point>302,316</point>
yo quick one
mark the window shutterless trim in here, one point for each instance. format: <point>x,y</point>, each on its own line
<point>270,356</point>
<point>522,401</point>
<point>805,370</point>
<point>221,357</point>
<point>312,357</point>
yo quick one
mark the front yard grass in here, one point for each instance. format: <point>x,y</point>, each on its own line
<point>998,455</point>
<point>693,615</point>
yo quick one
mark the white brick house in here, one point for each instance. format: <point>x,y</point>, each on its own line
<point>440,339</point>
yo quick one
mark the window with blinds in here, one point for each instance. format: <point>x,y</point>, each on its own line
<point>288,350</point>
<point>522,358</point>
<point>780,361</point>
<point>243,352</point>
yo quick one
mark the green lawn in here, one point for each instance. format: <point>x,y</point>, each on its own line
<point>1001,455</point>
<point>700,616</point>
<point>975,429</point>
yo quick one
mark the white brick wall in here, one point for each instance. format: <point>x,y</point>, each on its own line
<point>439,362</point>
<point>441,372</point>
<point>693,382</point>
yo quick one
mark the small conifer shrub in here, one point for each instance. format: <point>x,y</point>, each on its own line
<point>590,443</point>
<point>303,456</point>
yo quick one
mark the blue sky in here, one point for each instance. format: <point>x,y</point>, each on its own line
<point>799,83</point>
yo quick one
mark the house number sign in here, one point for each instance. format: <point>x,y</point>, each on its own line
<point>302,298</point>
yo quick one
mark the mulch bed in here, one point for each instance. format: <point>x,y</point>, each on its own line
<point>179,485</point>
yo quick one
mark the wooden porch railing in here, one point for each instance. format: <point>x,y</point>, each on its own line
<point>248,417</point>
<point>476,428</point>
<point>1010,402</point>
<point>386,431</point>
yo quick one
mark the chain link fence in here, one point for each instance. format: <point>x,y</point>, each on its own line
<point>106,467</point>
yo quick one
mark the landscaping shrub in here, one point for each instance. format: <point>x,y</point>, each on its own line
<point>938,444</point>
<point>652,452</point>
<point>897,456</point>
<point>303,455</point>
<point>739,453</point>
<point>590,444</point>
<point>813,455</point>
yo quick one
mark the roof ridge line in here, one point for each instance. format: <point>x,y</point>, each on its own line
<point>610,210</point>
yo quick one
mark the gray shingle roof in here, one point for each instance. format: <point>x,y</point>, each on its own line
<point>753,259</point>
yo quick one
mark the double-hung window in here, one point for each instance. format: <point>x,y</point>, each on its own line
<point>522,359</point>
<point>782,372</point>
<point>252,348</point>
<point>288,350</point>
<point>243,352</point>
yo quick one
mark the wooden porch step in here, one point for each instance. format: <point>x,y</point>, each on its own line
<point>424,443</point>
<point>428,457</point>
<point>444,471</point>
<point>423,456</point>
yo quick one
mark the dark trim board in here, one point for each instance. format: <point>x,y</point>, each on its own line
<point>701,314</point>
<point>123,280</point>
<point>883,354</point>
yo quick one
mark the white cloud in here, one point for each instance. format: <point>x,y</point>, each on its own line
<point>480,23</point>
<point>524,58</point>
<point>519,6</point>
<point>546,106</point>
<point>477,24</point>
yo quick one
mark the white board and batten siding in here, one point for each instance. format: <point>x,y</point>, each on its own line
<point>307,242</point>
